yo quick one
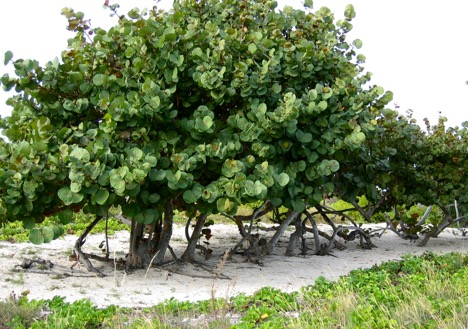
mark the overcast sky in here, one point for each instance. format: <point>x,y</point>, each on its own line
<point>417,49</point>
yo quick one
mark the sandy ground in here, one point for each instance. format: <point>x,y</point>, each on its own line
<point>148,287</point>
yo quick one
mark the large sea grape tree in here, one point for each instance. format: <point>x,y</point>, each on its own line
<point>208,106</point>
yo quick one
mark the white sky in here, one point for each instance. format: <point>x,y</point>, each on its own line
<point>417,49</point>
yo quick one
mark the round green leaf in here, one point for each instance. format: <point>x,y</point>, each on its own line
<point>35,236</point>
<point>282,179</point>
<point>68,197</point>
<point>58,231</point>
<point>208,121</point>
<point>226,205</point>
<point>8,57</point>
<point>308,4</point>
<point>157,175</point>
<point>189,196</point>
<point>252,48</point>
<point>75,187</point>
<point>148,216</point>
<point>65,216</point>
<point>357,43</point>
<point>48,234</point>
<point>65,194</point>
<point>327,167</point>
<point>80,154</point>
<point>28,223</point>
<point>232,167</point>
<point>303,137</point>
<point>76,76</point>
<point>361,58</point>
<point>101,197</point>
<point>249,187</point>
<point>99,79</point>
<point>350,13</point>
<point>298,204</point>
<point>210,193</point>
<point>117,183</point>
<point>322,105</point>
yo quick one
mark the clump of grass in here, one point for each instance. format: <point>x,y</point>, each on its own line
<point>16,279</point>
<point>18,312</point>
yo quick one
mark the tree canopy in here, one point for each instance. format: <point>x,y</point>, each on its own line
<point>213,104</point>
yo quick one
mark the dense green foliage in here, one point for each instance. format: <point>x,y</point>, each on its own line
<point>400,166</point>
<point>405,165</point>
<point>428,291</point>
<point>215,103</point>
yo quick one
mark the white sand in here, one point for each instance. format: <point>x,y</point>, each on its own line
<point>147,287</point>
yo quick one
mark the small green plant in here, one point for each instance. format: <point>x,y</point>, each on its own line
<point>18,312</point>
<point>30,251</point>
<point>17,279</point>
<point>266,296</point>
<point>14,232</point>
<point>79,314</point>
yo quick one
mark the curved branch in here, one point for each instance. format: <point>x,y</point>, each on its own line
<point>189,254</point>
<point>280,231</point>
<point>298,233</point>
<point>166,232</point>
<point>315,230</point>
<point>81,257</point>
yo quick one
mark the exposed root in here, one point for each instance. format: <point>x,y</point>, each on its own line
<point>40,264</point>
<point>43,266</point>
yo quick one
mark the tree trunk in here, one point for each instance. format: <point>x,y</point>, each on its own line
<point>315,231</point>
<point>325,217</point>
<point>137,256</point>
<point>280,231</point>
<point>147,249</point>
<point>436,230</point>
<point>264,209</point>
<point>166,232</point>
<point>299,232</point>
<point>189,254</point>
